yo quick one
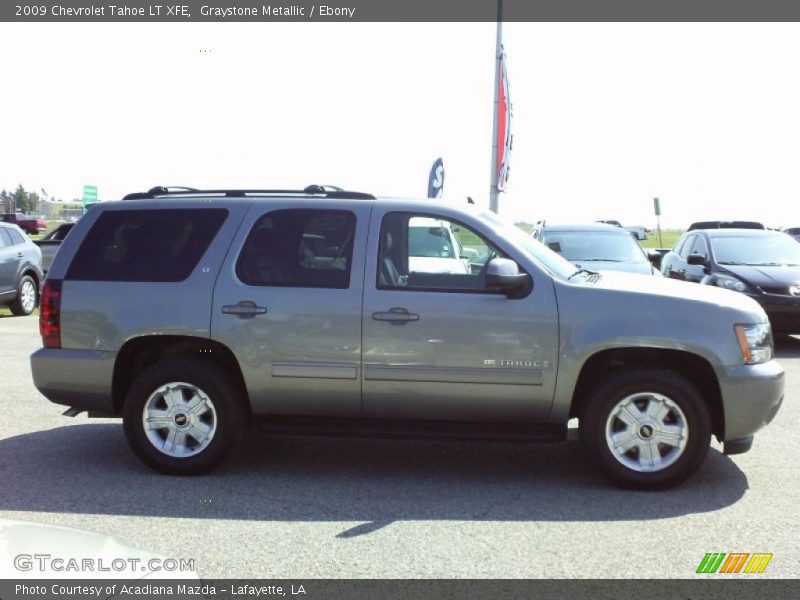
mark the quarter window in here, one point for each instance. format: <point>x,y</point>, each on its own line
<point>299,248</point>
<point>16,237</point>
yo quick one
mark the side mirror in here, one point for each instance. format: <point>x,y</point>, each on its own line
<point>697,260</point>
<point>503,274</point>
<point>469,253</point>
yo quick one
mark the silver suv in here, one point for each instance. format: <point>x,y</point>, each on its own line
<point>191,313</point>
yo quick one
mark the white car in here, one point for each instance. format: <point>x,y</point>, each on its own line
<point>433,247</point>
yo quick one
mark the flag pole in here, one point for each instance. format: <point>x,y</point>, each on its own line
<point>494,190</point>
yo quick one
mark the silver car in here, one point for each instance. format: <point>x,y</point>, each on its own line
<point>188,313</point>
<point>20,270</point>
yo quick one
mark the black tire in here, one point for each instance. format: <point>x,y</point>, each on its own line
<point>17,308</point>
<point>220,389</point>
<point>608,394</point>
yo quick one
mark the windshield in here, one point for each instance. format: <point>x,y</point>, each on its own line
<point>551,261</point>
<point>595,245</point>
<point>762,250</point>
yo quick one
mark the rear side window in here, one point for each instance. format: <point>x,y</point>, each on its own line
<point>299,248</point>
<point>146,245</point>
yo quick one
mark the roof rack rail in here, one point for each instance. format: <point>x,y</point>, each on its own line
<point>328,191</point>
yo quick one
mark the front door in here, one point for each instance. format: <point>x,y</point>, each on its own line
<point>437,344</point>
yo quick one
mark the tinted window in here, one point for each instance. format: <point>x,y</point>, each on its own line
<point>299,248</point>
<point>146,245</point>
<point>427,253</point>
<point>5,239</point>
<point>16,237</point>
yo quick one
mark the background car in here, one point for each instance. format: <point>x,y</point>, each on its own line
<point>433,247</point>
<point>794,232</point>
<point>596,246</point>
<point>50,243</point>
<point>725,225</point>
<point>20,270</point>
<point>764,265</point>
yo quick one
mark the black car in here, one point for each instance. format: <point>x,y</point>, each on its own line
<point>762,264</point>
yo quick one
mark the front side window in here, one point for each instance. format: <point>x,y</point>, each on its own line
<point>422,252</point>
<point>700,248</point>
<point>146,245</point>
<point>687,245</point>
<point>299,248</point>
<point>5,238</point>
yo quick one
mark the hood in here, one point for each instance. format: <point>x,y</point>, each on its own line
<point>663,287</point>
<point>71,547</point>
<point>763,276</point>
<point>642,268</point>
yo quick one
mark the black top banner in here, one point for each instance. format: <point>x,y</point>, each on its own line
<point>398,10</point>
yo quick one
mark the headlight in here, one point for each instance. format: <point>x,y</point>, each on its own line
<point>755,342</point>
<point>730,283</point>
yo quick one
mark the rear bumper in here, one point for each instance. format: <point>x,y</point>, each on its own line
<point>77,378</point>
<point>751,397</point>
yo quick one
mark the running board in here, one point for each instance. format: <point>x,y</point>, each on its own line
<point>418,430</point>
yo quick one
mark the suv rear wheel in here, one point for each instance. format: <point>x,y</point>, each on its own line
<point>646,428</point>
<point>183,416</point>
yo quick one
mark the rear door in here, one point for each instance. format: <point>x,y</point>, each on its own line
<point>288,303</point>
<point>437,345</point>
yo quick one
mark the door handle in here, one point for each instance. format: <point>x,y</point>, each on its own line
<point>245,308</point>
<point>396,316</point>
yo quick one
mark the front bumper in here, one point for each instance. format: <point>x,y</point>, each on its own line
<point>751,397</point>
<point>783,311</point>
<point>77,378</point>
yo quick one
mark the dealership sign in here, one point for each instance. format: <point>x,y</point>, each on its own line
<point>504,137</point>
<point>436,179</point>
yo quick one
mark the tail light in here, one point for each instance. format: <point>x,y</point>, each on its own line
<point>50,314</point>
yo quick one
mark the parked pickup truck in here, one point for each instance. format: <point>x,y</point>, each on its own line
<point>191,313</point>
<point>30,224</point>
<point>50,244</point>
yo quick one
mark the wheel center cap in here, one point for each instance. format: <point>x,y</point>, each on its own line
<point>646,431</point>
<point>181,419</point>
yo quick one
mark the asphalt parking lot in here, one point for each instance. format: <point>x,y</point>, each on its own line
<point>319,508</point>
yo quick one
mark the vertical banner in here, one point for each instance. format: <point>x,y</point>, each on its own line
<point>504,137</point>
<point>436,179</point>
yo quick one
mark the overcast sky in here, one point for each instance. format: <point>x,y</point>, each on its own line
<point>606,116</point>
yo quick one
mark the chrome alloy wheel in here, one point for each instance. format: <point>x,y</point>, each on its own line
<point>647,432</point>
<point>28,296</point>
<point>179,419</point>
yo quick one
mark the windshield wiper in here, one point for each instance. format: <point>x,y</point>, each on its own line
<point>772,264</point>
<point>731,262</point>
<point>598,259</point>
<point>582,270</point>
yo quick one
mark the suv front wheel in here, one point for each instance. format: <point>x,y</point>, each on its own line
<point>646,428</point>
<point>183,416</point>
